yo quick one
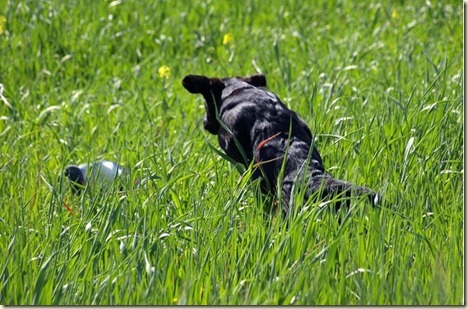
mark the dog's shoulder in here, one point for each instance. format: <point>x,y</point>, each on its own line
<point>237,91</point>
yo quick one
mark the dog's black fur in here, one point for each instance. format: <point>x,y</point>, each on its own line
<point>252,124</point>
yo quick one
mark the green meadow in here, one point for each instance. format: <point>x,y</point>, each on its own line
<point>379,83</point>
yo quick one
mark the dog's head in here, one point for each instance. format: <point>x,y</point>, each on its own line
<point>211,89</point>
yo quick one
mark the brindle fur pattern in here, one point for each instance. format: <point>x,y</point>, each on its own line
<point>252,124</point>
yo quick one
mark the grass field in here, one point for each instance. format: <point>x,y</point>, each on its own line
<point>380,84</point>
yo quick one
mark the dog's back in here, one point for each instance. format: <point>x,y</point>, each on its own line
<point>254,115</point>
<point>267,131</point>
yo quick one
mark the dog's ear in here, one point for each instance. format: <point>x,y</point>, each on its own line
<point>196,83</point>
<point>258,80</point>
<point>202,84</point>
<point>211,89</point>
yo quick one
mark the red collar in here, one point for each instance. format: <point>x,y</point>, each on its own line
<point>260,145</point>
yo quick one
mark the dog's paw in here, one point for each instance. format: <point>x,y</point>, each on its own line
<point>376,199</point>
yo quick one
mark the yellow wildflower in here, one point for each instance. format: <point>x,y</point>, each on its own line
<point>228,38</point>
<point>394,14</point>
<point>174,300</point>
<point>3,21</point>
<point>164,72</point>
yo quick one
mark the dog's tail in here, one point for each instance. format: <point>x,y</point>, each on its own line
<point>324,187</point>
<point>331,187</point>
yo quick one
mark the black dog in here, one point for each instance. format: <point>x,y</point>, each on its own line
<point>255,127</point>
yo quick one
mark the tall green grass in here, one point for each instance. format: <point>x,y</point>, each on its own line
<point>380,84</point>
